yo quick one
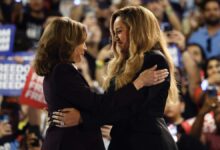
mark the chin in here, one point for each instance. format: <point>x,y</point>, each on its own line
<point>78,61</point>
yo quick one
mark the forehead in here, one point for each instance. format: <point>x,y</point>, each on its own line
<point>118,23</point>
<point>213,62</point>
<point>193,48</point>
<point>211,5</point>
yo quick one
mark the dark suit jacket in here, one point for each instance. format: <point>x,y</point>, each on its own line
<point>141,126</point>
<point>144,128</point>
<point>65,87</point>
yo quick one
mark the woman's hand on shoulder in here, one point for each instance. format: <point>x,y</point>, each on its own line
<point>150,77</point>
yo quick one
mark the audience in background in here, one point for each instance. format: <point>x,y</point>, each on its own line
<point>192,30</point>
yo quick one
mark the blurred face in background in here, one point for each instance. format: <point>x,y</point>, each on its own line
<point>212,13</point>
<point>7,2</point>
<point>213,67</point>
<point>196,53</point>
<point>121,35</point>
<point>157,8</point>
<point>36,5</point>
<point>173,111</point>
<point>90,19</point>
<point>13,117</point>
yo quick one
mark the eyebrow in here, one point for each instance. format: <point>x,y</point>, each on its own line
<point>118,28</point>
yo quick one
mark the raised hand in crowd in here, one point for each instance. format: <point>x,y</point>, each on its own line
<point>177,38</point>
<point>171,14</point>
<point>210,104</point>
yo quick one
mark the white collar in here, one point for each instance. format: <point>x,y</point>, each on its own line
<point>74,65</point>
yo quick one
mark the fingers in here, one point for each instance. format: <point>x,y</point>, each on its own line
<point>57,122</point>
<point>58,114</point>
<point>152,68</point>
<point>159,81</point>
<point>58,119</point>
<point>161,73</point>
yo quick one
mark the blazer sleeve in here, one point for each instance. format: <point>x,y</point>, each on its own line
<point>72,88</point>
<point>159,90</point>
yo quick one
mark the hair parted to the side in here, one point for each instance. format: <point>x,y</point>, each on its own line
<point>56,45</point>
<point>144,35</point>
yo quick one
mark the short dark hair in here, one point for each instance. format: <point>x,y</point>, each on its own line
<point>205,2</point>
<point>61,36</point>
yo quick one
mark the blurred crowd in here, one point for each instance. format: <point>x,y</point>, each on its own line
<point>192,30</point>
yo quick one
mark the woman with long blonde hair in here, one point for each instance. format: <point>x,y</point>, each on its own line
<point>139,44</point>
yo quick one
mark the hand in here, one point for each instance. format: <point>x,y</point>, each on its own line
<point>66,117</point>
<point>5,129</point>
<point>209,105</point>
<point>176,37</point>
<point>106,129</point>
<point>150,77</point>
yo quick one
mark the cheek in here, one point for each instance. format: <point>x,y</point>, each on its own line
<point>209,72</point>
<point>198,57</point>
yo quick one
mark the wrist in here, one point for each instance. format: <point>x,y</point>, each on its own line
<point>138,84</point>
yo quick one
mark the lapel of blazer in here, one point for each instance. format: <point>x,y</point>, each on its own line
<point>79,73</point>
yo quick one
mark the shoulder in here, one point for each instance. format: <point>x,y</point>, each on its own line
<point>155,57</point>
<point>64,68</point>
<point>154,54</point>
<point>199,32</point>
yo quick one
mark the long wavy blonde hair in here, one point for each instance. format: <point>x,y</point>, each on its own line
<point>144,36</point>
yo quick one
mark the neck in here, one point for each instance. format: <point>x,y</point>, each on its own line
<point>176,120</point>
<point>213,29</point>
<point>38,15</point>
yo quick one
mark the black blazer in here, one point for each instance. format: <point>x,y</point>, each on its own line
<point>141,126</point>
<point>65,87</point>
<point>145,128</point>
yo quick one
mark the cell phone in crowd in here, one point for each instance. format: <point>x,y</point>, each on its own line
<point>212,91</point>
<point>166,27</point>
